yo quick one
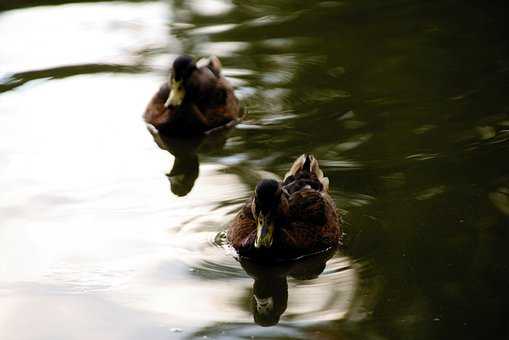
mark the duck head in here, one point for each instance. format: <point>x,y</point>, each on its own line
<point>265,208</point>
<point>181,70</point>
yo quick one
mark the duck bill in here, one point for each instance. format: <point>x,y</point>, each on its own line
<point>177,94</point>
<point>264,232</point>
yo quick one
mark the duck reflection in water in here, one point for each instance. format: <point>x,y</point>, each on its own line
<point>186,166</point>
<point>270,287</point>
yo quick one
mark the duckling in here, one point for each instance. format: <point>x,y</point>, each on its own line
<point>287,219</point>
<point>196,99</point>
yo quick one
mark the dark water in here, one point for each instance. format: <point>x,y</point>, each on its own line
<point>106,235</point>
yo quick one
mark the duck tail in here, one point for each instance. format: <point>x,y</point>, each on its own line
<point>308,163</point>
<point>213,63</point>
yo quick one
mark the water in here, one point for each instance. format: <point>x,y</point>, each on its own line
<point>108,234</point>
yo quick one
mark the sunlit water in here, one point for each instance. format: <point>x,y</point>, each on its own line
<point>108,233</point>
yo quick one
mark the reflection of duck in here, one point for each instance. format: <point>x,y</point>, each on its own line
<point>186,166</point>
<point>288,219</point>
<point>197,98</point>
<point>270,288</point>
<point>183,174</point>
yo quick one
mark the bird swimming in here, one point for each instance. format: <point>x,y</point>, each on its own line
<point>196,99</point>
<point>288,219</point>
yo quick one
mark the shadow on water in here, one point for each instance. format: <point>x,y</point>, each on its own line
<point>270,287</point>
<point>286,297</point>
<point>186,165</point>
<point>11,81</point>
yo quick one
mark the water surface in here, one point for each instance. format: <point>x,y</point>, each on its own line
<point>106,234</point>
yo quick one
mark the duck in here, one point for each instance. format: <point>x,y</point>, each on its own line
<point>197,98</point>
<point>287,219</point>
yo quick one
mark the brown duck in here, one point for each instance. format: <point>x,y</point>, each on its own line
<point>288,219</point>
<point>196,99</point>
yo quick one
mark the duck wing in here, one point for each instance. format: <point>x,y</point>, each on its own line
<point>313,222</point>
<point>155,113</point>
<point>242,230</point>
<point>212,63</point>
<point>305,172</point>
<point>207,89</point>
<point>213,94</point>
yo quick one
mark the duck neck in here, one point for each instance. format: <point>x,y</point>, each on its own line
<point>280,217</point>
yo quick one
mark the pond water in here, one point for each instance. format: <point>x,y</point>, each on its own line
<point>106,234</point>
